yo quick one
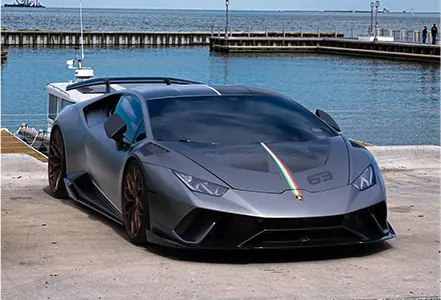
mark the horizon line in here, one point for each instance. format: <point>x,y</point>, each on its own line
<point>247,9</point>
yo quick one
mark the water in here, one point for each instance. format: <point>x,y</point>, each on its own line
<point>377,101</point>
<point>191,20</point>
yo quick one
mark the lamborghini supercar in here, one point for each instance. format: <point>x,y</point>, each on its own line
<point>184,164</point>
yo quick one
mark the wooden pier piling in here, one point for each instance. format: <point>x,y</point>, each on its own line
<point>111,39</point>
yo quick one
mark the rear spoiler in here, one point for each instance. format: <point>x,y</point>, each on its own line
<point>127,80</point>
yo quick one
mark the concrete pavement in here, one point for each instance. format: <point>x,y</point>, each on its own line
<point>54,249</point>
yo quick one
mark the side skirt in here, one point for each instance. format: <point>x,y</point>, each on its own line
<point>81,189</point>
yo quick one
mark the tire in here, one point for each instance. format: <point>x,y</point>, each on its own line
<point>57,165</point>
<point>134,202</point>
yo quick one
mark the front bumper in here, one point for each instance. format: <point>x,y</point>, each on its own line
<point>208,229</point>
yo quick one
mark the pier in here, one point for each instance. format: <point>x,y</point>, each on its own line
<point>393,50</point>
<point>239,41</point>
<point>10,144</point>
<point>112,39</point>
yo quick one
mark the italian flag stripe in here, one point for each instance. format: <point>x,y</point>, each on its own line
<point>288,177</point>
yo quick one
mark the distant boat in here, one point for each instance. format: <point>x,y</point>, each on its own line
<point>25,3</point>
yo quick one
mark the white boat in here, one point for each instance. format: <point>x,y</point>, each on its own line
<point>59,96</point>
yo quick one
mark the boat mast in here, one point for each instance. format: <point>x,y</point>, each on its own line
<point>80,72</point>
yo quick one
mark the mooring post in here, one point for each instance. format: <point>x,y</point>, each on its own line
<point>301,32</point>
<point>227,2</point>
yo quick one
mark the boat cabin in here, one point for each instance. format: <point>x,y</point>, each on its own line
<point>59,97</point>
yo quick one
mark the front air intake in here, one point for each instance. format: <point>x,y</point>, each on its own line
<point>196,225</point>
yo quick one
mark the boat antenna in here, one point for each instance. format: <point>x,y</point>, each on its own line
<point>82,35</point>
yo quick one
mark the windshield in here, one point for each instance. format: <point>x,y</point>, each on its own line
<point>234,120</point>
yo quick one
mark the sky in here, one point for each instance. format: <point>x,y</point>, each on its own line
<point>394,5</point>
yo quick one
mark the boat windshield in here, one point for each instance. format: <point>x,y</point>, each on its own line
<point>234,120</point>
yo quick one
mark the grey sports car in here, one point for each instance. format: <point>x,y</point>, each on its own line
<point>184,164</point>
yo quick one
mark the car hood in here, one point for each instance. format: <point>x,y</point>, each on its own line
<point>315,166</point>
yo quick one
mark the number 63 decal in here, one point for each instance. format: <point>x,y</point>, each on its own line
<point>319,178</point>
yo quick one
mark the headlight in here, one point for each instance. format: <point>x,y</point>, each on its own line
<point>366,179</point>
<point>201,186</point>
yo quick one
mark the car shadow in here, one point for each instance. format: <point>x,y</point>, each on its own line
<point>238,256</point>
<point>91,214</point>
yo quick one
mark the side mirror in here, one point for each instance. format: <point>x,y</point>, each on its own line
<point>115,127</point>
<point>328,119</point>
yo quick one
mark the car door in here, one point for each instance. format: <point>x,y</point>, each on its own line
<point>106,158</point>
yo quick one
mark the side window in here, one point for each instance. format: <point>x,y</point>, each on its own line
<point>53,100</point>
<point>130,109</point>
<point>64,103</point>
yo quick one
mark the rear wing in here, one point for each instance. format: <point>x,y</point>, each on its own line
<point>127,80</point>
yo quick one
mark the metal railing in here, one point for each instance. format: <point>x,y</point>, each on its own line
<point>410,36</point>
<point>273,31</point>
<point>413,36</point>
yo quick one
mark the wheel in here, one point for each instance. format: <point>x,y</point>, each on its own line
<point>57,165</point>
<point>135,204</point>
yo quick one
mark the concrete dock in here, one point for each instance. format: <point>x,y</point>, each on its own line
<point>54,249</point>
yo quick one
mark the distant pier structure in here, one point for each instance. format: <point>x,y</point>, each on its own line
<point>25,3</point>
<point>112,39</point>
<point>387,45</point>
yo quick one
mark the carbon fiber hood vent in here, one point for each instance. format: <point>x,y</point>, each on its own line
<point>252,168</point>
<point>248,157</point>
<point>297,157</point>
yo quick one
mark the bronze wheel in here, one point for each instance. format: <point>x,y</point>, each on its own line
<point>57,164</point>
<point>134,211</point>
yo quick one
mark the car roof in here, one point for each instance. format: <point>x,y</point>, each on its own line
<point>150,91</point>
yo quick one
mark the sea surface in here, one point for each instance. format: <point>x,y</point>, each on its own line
<point>67,19</point>
<point>377,101</point>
